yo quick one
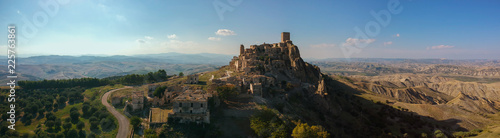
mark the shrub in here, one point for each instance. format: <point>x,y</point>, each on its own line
<point>226,91</point>
<point>135,121</point>
<point>302,130</point>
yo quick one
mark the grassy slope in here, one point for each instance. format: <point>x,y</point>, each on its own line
<point>96,94</point>
<point>63,113</point>
<point>493,130</point>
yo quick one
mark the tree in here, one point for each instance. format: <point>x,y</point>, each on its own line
<point>85,107</point>
<point>159,91</point>
<point>280,132</point>
<point>73,109</point>
<point>80,125</point>
<point>181,74</point>
<point>74,115</point>
<point>58,123</point>
<point>93,118</point>
<point>67,126</point>
<point>82,134</point>
<point>226,91</point>
<point>107,124</point>
<point>59,135</point>
<point>41,111</point>
<point>12,133</point>
<point>62,100</point>
<point>56,105</point>
<point>72,133</point>
<point>32,108</point>
<point>150,77</point>
<point>85,110</point>
<point>149,133</point>
<point>29,117</point>
<point>94,125</point>
<point>48,104</point>
<point>135,121</point>
<point>302,130</point>
<point>266,123</point>
<point>162,74</point>
<point>49,123</point>
<point>67,120</point>
<point>439,134</point>
<point>423,135</point>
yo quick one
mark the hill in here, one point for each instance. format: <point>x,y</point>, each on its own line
<point>68,67</point>
<point>269,88</point>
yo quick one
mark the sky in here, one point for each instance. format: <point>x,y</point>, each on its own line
<point>453,29</point>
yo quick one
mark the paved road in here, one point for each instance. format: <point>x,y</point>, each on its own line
<point>123,122</point>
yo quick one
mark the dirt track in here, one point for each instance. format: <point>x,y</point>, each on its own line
<point>123,122</point>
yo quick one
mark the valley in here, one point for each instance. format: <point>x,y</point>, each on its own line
<point>467,92</point>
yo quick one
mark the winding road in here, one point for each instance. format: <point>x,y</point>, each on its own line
<point>123,122</point>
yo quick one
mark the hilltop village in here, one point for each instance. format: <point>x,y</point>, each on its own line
<point>267,90</point>
<point>265,70</point>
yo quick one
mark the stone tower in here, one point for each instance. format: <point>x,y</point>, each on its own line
<point>285,36</point>
<point>242,49</point>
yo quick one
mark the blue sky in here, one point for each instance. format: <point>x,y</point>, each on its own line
<point>322,29</point>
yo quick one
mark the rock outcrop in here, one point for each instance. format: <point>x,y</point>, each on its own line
<point>271,68</point>
<point>281,60</point>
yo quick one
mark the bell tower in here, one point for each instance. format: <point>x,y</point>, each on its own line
<point>285,36</point>
<point>242,49</point>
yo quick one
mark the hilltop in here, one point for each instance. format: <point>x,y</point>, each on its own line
<point>273,78</point>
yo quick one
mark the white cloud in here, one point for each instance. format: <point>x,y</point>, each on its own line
<point>354,41</point>
<point>172,36</point>
<point>397,35</point>
<point>140,41</point>
<point>225,32</point>
<point>121,18</point>
<point>149,37</point>
<point>103,7</point>
<point>387,43</point>
<point>214,38</point>
<point>323,45</point>
<point>440,47</point>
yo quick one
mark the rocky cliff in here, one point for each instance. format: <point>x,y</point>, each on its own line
<point>279,60</point>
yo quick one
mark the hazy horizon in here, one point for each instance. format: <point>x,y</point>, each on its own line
<point>325,29</point>
<point>306,58</point>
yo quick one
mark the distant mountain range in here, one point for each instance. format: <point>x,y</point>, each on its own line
<point>67,67</point>
<point>172,58</point>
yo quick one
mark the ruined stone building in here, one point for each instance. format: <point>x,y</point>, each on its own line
<point>167,98</point>
<point>158,101</point>
<point>116,100</point>
<point>282,59</point>
<point>158,116</point>
<point>256,89</point>
<point>192,79</point>
<point>191,106</point>
<point>137,100</point>
<point>151,89</point>
<point>267,67</point>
